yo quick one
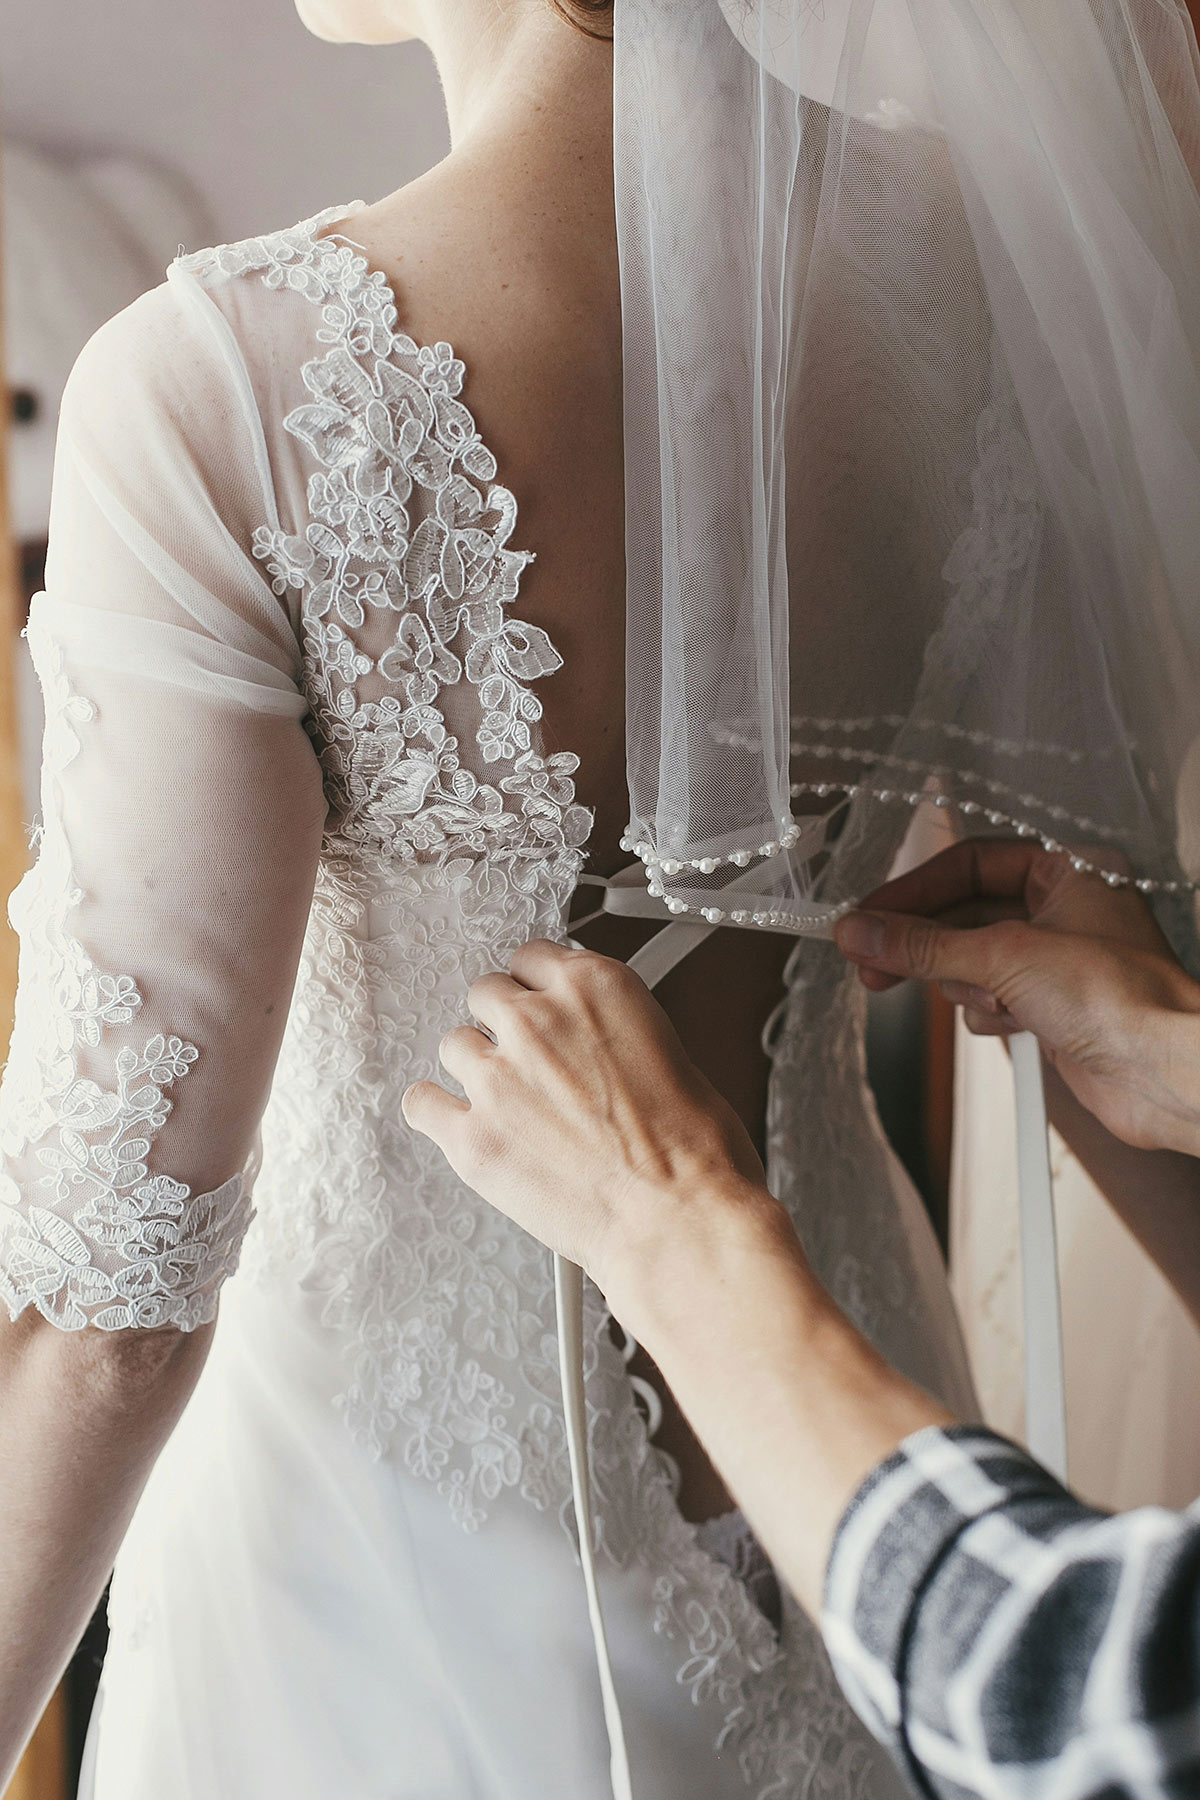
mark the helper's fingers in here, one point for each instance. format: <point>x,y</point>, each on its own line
<point>970,914</point>
<point>967,917</point>
<point>958,918</point>
<point>973,870</point>
<point>975,999</point>
<point>876,980</point>
<point>538,964</point>
<point>920,949</point>
<point>984,1024</point>
<point>492,997</point>
<point>433,1112</point>
<point>462,1053</point>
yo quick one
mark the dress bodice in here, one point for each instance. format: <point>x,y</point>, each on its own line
<point>449,841</point>
<point>296,802</point>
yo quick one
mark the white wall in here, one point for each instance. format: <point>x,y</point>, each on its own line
<point>269,123</point>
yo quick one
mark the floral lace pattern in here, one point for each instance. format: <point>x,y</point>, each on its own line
<point>451,840</point>
<point>430,876</point>
<point>110,1244</point>
<point>997,551</point>
<point>406,517</point>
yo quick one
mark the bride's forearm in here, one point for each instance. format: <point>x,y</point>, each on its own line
<point>791,1403</point>
<point>83,1416</point>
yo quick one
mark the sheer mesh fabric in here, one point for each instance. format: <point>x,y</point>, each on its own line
<point>912,312</point>
<point>181,817</point>
<point>279,463</point>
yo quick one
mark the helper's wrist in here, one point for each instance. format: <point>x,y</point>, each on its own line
<point>695,1239</point>
<point>1175,1078</point>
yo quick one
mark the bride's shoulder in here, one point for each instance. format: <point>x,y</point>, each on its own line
<point>281,255</point>
<point>160,363</point>
<point>149,360</point>
<point>164,338</point>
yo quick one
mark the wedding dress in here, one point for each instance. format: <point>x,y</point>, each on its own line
<point>293,804</point>
<point>1132,1350</point>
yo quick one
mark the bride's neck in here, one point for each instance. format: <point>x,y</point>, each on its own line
<point>526,94</point>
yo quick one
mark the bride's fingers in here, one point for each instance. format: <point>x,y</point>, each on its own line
<point>433,1112</point>
<point>462,1053</point>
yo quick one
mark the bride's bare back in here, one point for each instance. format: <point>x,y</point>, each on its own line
<point>507,250</point>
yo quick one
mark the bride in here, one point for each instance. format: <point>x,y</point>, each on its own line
<point>333,653</point>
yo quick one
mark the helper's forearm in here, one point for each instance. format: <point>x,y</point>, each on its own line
<point>1155,1192</point>
<point>791,1403</point>
<point>83,1416</point>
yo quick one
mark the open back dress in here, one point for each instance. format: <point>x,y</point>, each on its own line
<point>294,801</point>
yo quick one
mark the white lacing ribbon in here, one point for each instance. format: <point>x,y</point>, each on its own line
<point>655,960</point>
<point>1046,1417</point>
<point>1045,1381</point>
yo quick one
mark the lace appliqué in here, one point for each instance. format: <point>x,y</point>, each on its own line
<point>432,873</point>
<point>998,550</point>
<point>406,516</point>
<point>94,1238</point>
<point>430,876</point>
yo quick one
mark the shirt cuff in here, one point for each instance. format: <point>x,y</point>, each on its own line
<point>897,1529</point>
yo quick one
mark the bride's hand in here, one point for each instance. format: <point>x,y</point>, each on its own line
<point>1023,942</point>
<point>583,1120</point>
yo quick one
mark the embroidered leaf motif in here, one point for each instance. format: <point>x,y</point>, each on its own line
<point>409,1263</point>
<point>375,1221</point>
<point>58,1235</point>
<point>405,514</point>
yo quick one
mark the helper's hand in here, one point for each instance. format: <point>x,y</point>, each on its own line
<point>587,1124</point>
<point>1023,942</point>
<point>584,1121</point>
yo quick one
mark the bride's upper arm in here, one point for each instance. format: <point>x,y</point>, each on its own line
<point>181,816</point>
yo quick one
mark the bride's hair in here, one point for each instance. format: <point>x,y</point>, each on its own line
<point>592,16</point>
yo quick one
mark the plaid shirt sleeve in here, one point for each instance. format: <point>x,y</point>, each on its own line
<point>1002,1639</point>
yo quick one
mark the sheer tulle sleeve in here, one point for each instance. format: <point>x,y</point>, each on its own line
<point>181,815</point>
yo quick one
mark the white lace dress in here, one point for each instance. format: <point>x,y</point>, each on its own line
<point>293,804</point>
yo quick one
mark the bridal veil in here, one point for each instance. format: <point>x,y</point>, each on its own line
<point>912,343</point>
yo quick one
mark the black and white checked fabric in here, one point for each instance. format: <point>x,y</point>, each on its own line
<point>1005,1640</point>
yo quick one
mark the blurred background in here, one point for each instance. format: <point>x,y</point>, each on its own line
<point>225,94</point>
